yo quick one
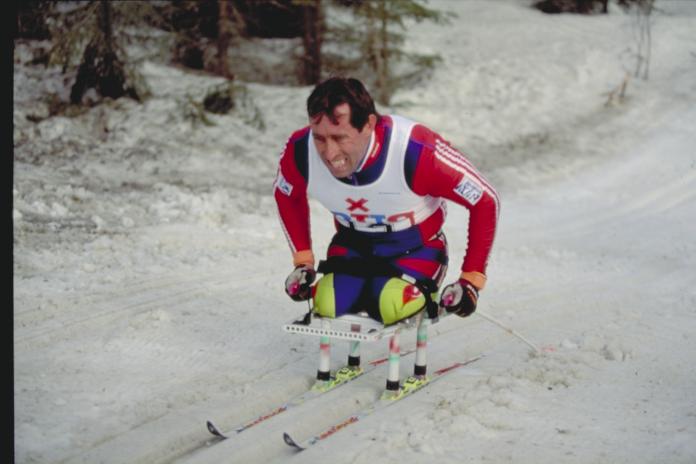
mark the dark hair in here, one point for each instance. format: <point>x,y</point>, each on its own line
<point>335,91</point>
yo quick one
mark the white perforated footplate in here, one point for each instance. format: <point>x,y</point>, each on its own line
<point>350,327</point>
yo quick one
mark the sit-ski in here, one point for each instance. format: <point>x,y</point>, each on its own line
<point>358,328</point>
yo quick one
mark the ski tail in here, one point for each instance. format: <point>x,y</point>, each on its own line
<point>291,442</point>
<point>214,430</point>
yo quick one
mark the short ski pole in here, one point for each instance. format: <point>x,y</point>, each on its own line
<point>507,329</point>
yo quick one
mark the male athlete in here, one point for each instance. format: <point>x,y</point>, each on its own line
<point>385,179</point>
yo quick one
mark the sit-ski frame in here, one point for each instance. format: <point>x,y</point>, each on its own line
<point>359,328</point>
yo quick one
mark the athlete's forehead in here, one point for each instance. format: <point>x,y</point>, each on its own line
<point>340,116</point>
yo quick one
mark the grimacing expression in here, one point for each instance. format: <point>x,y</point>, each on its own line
<point>340,145</point>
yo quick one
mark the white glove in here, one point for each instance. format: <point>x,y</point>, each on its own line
<point>298,283</point>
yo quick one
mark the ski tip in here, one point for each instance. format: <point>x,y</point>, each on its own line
<point>214,430</point>
<point>291,442</point>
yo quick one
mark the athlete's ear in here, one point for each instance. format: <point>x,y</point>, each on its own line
<point>371,122</point>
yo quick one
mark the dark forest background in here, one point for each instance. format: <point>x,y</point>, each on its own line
<point>93,41</point>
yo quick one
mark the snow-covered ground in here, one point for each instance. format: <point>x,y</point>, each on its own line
<point>148,262</point>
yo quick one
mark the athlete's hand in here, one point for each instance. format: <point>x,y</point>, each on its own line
<point>459,298</point>
<point>298,283</point>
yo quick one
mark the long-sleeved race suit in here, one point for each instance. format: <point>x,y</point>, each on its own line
<point>395,201</point>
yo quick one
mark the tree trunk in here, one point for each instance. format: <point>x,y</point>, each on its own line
<point>105,27</point>
<point>312,40</point>
<point>224,38</point>
<point>382,56</point>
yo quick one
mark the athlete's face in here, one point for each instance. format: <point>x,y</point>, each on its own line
<point>340,145</point>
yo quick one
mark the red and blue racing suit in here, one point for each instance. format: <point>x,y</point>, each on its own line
<point>412,242</point>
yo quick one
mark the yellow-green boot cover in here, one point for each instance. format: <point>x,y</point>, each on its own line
<point>324,297</point>
<point>398,300</point>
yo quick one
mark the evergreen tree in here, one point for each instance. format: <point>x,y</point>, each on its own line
<point>380,38</point>
<point>102,68</point>
<point>94,31</point>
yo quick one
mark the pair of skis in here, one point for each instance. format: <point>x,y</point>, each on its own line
<point>317,390</point>
<point>411,385</point>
